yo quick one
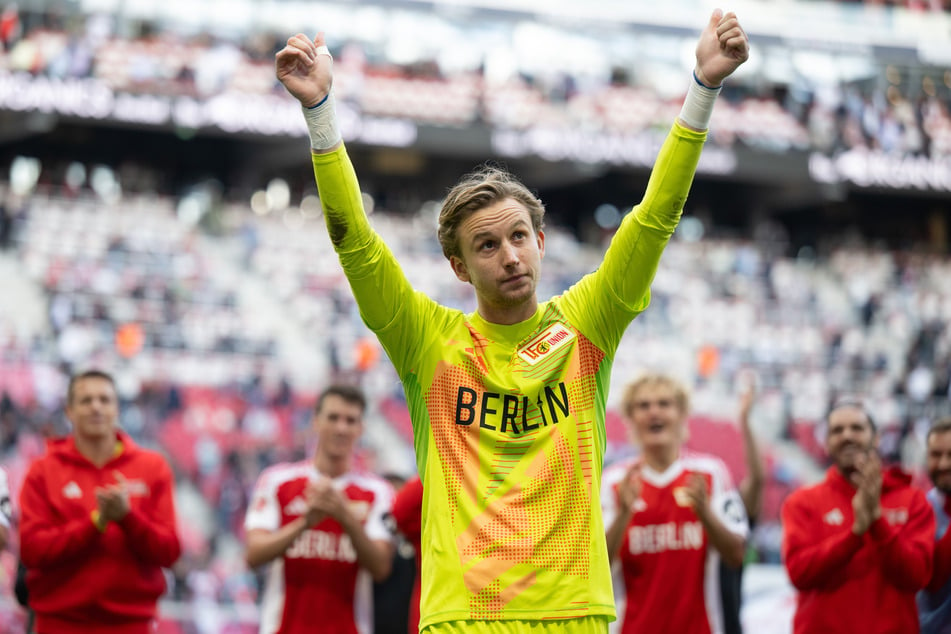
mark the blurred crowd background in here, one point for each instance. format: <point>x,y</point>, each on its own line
<point>158,219</point>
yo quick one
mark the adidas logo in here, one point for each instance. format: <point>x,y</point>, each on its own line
<point>297,506</point>
<point>72,491</point>
<point>834,517</point>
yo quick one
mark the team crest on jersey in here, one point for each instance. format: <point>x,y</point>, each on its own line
<point>896,517</point>
<point>554,337</point>
<point>137,488</point>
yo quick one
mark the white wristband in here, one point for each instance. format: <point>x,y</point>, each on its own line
<point>322,124</point>
<point>698,105</point>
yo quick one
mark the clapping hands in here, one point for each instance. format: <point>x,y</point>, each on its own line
<point>113,501</point>
<point>866,503</point>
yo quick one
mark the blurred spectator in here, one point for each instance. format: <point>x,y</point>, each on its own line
<point>934,602</point>
<point>321,523</point>
<point>859,533</point>
<point>97,522</point>
<point>670,516</point>
<point>751,493</point>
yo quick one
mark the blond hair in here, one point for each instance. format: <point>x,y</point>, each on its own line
<point>652,379</point>
<point>477,190</point>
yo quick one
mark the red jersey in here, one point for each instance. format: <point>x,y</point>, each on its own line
<point>82,580</point>
<point>318,585</point>
<point>407,513</point>
<point>670,572</point>
<point>850,583</point>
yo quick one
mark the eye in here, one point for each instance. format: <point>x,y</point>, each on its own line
<point>486,245</point>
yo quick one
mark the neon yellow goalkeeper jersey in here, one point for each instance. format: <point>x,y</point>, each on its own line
<point>509,420</point>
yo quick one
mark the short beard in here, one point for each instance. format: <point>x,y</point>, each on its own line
<point>946,490</point>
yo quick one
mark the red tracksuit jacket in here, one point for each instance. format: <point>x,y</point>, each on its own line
<point>850,583</point>
<point>81,580</point>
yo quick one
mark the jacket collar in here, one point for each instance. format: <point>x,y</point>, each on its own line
<point>893,477</point>
<point>65,447</point>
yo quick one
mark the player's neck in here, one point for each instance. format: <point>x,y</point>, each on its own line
<point>659,459</point>
<point>97,449</point>
<point>508,315</point>
<point>331,466</point>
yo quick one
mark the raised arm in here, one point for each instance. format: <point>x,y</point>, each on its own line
<point>751,488</point>
<point>722,48</point>
<point>305,68</point>
<point>630,263</point>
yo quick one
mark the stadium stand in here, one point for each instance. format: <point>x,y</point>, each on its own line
<point>209,313</point>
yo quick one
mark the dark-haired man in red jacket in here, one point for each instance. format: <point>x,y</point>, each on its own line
<point>858,545</point>
<point>97,522</point>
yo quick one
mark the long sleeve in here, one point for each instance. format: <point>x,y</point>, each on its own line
<point>151,531</point>
<point>378,283</point>
<point>810,562</point>
<point>631,260</point>
<point>907,549</point>
<point>621,285</point>
<point>45,542</point>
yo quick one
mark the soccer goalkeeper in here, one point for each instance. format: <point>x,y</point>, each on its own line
<point>508,402</point>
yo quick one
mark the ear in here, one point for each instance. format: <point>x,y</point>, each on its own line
<point>459,268</point>
<point>541,243</point>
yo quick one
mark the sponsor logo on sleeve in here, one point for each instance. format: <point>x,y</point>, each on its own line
<point>733,510</point>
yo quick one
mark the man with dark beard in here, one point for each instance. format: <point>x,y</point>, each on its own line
<point>934,602</point>
<point>859,544</point>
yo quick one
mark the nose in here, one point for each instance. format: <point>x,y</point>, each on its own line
<point>509,254</point>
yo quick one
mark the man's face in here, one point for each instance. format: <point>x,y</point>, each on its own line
<point>657,422</point>
<point>338,425</point>
<point>501,257</point>
<point>849,435</point>
<point>938,461</point>
<point>93,408</point>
